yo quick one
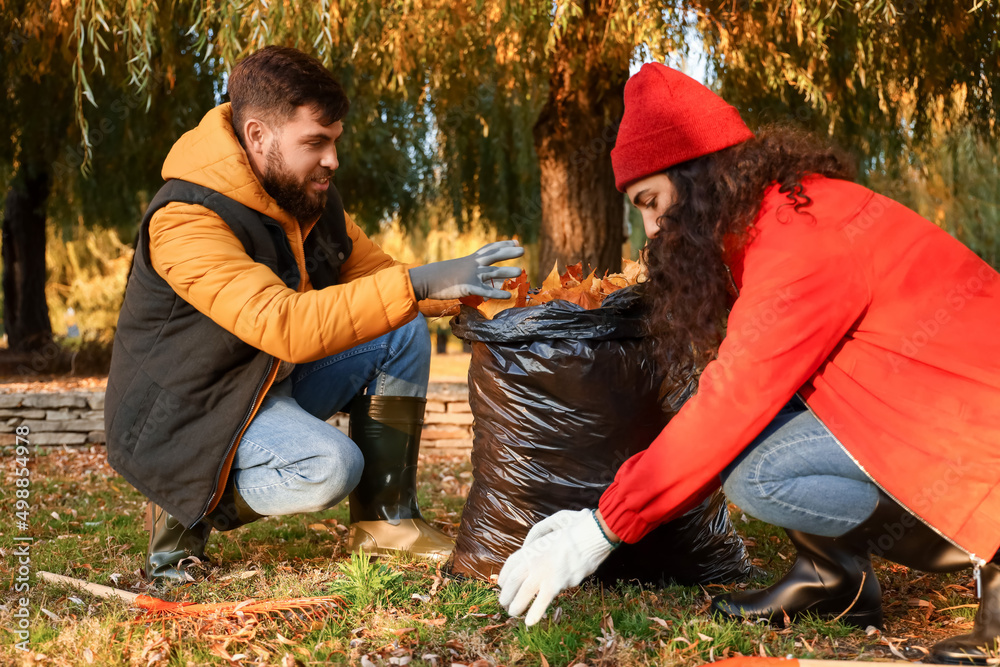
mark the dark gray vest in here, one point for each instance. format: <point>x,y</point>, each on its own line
<point>181,388</point>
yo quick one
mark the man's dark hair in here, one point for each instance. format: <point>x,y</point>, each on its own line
<point>272,83</point>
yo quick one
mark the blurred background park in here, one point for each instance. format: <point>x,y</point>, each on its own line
<point>469,121</point>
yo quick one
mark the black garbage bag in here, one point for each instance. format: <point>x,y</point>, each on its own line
<point>562,396</point>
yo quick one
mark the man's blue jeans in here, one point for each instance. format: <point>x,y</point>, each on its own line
<point>290,460</point>
<point>795,475</point>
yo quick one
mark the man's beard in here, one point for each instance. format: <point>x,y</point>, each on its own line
<point>292,195</point>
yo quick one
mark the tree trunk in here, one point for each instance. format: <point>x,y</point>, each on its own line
<point>25,312</point>
<point>583,215</point>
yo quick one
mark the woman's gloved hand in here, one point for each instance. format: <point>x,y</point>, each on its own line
<point>465,276</point>
<point>558,553</point>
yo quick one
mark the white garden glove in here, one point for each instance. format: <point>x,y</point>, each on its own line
<point>565,548</point>
<point>465,276</point>
<point>549,524</point>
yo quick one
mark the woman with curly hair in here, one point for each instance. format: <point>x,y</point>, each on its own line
<point>850,384</point>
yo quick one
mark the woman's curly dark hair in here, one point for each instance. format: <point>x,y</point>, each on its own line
<point>718,198</point>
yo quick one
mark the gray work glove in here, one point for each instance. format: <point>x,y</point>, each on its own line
<point>455,278</point>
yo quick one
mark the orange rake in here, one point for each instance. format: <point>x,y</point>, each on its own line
<point>157,609</point>
<point>754,661</point>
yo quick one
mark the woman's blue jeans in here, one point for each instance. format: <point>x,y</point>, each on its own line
<point>796,475</point>
<point>290,460</point>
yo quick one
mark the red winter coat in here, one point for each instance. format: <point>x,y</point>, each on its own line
<point>888,327</point>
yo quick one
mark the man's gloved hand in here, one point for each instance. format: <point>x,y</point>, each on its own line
<point>455,278</point>
<point>566,548</point>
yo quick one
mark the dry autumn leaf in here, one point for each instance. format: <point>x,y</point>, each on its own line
<point>587,292</point>
<point>518,290</point>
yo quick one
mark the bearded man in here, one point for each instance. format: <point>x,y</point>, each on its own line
<point>255,310</point>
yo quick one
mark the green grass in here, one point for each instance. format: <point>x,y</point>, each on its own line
<point>87,523</point>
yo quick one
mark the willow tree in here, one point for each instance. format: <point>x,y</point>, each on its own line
<point>510,108</point>
<point>521,100</point>
<point>86,128</point>
<point>909,87</point>
<point>875,75</point>
<point>95,93</point>
<point>507,108</point>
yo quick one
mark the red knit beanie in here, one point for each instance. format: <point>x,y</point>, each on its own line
<point>670,118</point>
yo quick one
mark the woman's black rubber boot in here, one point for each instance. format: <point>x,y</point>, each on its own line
<point>831,577</point>
<point>982,645</point>
<point>828,571</point>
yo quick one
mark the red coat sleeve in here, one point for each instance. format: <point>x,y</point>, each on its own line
<point>802,291</point>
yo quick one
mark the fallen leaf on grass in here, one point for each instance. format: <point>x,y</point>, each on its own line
<point>244,574</point>
<point>441,620</point>
<point>892,648</point>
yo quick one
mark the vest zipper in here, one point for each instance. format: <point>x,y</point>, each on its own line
<point>227,459</point>
<point>977,563</point>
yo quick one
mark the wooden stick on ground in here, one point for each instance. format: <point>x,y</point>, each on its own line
<point>95,589</point>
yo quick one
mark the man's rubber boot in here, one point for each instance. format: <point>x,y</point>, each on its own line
<point>831,576</point>
<point>829,572</point>
<point>385,517</point>
<point>232,510</point>
<point>982,645</point>
<point>170,545</point>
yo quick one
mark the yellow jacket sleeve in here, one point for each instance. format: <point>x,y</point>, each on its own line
<point>366,257</point>
<point>201,259</point>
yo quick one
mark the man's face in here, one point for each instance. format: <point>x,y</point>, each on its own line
<point>299,163</point>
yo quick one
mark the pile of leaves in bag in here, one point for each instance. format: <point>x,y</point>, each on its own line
<point>564,389</point>
<point>571,286</point>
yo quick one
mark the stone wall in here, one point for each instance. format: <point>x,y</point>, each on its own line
<point>77,418</point>
<point>62,418</point>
